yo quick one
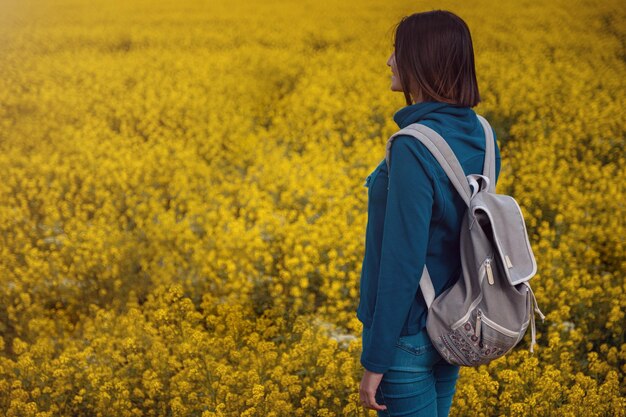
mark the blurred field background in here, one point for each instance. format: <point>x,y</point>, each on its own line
<point>182,209</point>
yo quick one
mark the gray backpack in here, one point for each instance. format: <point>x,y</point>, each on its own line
<point>486,312</point>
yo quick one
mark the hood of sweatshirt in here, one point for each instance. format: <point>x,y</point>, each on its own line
<point>455,123</point>
<point>455,117</point>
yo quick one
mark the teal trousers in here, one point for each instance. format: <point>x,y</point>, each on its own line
<point>419,383</point>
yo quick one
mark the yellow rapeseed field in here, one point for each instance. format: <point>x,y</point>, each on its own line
<point>182,208</point>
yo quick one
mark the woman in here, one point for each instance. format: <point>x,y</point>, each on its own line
<point>414,218</point>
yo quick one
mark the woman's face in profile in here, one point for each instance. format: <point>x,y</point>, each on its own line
<point>395,78</point>
<point>396,85</point>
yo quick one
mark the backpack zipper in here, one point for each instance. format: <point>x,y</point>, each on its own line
<point>473,305</point>
<point>496,326</point>
<point>478,321</point>
<point>489,271</point>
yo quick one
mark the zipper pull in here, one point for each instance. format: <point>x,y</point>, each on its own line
<point>478,319</point>
<point>489,271</point>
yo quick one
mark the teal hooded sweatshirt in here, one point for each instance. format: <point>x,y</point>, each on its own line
<point>414,218</point>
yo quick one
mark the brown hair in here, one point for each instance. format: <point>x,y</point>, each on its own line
<point>434,54</point>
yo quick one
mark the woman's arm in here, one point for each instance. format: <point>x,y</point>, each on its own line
<point>403,254</point>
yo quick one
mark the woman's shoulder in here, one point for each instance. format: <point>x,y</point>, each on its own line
<point>412,154</point>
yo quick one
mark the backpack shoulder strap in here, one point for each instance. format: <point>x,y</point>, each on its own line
<point>441,151</point>
<point>489,167</point>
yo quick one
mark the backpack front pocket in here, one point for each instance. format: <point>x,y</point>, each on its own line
<point>491,339</point>
<point>496,326</point>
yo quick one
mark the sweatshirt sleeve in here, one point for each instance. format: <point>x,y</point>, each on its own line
<point>497,154</point>
<point>408,213</point>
